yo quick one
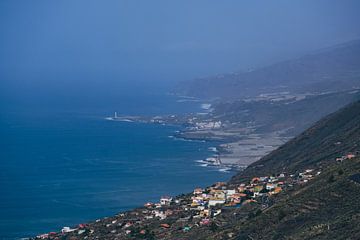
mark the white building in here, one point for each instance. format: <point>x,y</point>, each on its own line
<point>215,201</point>
<point>270,186</point>
<point>67,230</point>
<point>165,200</point>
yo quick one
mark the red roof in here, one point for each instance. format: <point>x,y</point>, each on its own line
<point>165,225</point>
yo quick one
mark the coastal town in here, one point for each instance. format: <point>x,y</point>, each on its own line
<point>201,208</point>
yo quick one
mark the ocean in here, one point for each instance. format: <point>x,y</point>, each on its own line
<point>65,166</point>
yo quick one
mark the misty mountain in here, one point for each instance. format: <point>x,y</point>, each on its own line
<point>331,69</point>
<point>292,115</point>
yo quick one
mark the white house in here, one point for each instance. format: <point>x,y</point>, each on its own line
<point>165,200</point>
<point>230,192</point>
<point>215,201</point>
<point>67,230</point>
<point>270,186</point>
<point>159,214</point>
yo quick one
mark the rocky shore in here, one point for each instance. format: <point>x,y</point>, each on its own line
<point>234,147</point>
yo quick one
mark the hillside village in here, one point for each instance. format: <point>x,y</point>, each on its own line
<point>187,212</point>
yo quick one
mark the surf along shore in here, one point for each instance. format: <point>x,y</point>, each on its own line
<point>234,147</point>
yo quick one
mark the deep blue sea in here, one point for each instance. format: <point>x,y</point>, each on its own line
<point>60,167</point>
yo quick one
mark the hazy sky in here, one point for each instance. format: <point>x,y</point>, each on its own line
<point>47,42</point>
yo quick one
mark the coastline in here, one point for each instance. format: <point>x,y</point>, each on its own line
<point>142,157</point>
<point>237,153</point>
<point>231,146</point>
<point>234,147</point>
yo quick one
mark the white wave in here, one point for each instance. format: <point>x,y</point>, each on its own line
<point>200,161</point>
<point>206,106</point>
<point>224,169</point>
<point>203,165</point>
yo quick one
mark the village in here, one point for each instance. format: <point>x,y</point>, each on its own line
<point>203,205</point>
<point>197,209</point>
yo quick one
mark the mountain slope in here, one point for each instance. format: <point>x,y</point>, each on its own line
<point>271,116</point>
<point>331,69</point>
<point>327,208</point>
<point>332,136</point>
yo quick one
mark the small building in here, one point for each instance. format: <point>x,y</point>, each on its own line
<point>67,230</point>
<point>159,214</point>
<point>148,204</point>
<point>241,188</point>
<point>82,225</point>
<point>263,179</point>
<point>128,224</point>
<point>165,200</point>
<point>272,179</point>
<point>281,175</point>
<point>205,221</point>
<point>220,184</point>
<point>215,213</point>
<point>270,186</point>
<point>277,190</point>
<point>230,192</point>
<point>198,191</point>
<point>237,195</point>
<point>43,236</point>
<point>216,201</point>
<point>169,212</point>
<point>218,194</point>
<point>205,213</point>
<point>255,180</point>
<point>165,225</point>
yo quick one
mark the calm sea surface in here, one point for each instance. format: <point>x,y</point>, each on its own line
<point>64,167</point>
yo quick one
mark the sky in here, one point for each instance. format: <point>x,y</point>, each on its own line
<point>92,45</point>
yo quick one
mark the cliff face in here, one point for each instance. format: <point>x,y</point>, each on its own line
<point>331,69</point>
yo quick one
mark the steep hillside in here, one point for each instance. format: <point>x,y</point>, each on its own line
<point>328,208</point>
<point>325,208</point>
<point>334,135</point>
<point>295,116</point>
<point>331,69</point>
